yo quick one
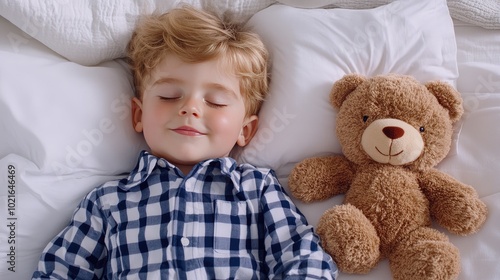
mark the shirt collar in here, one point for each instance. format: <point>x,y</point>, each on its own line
<point>147,163</point>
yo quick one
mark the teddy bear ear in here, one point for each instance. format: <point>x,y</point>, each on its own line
<point>343,87</point>
<point>448,97</point>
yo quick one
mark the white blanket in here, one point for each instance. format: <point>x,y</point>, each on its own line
<point>92,31</point>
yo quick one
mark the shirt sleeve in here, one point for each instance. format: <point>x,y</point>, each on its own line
<point>78,251</point>
<point>293,249</point>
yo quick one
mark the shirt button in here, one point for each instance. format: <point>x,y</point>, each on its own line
<point>162,163</point>
<point>185,241</point>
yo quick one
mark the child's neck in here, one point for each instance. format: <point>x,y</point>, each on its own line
<point>185,168</point>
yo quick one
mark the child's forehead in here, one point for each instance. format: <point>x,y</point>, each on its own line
<point>172,63</point>
<point>211,71</point>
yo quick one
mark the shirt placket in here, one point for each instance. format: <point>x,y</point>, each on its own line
<point>191,228</point>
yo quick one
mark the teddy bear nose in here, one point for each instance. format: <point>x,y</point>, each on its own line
<point>393,132</point>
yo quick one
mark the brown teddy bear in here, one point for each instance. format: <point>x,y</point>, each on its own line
<point>393,131</point>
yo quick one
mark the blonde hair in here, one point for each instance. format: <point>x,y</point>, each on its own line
<point>197,36</point>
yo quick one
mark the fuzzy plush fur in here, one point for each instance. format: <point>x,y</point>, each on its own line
<point>393,131</point>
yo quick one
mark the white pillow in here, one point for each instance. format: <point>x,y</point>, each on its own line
<point>63,116</point>
<point>90,32</point>
<point>345,4</point>
<point>482,13</point>
<point>312,48</point>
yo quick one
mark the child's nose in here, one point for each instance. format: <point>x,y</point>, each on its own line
<point>190,107</point>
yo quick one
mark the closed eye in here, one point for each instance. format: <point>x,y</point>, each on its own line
<point>215,105</point>
<point>164,98</point>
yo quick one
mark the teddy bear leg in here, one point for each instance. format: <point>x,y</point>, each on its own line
<point>425,254</point>
<point>349,237</point>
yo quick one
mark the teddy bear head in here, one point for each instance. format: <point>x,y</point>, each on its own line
<point>394,119</point>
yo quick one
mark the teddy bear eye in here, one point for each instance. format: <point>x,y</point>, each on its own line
<point>365,118</point>
<point>422,129</point>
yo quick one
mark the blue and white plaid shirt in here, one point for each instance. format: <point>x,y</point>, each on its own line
<point>222,221</point>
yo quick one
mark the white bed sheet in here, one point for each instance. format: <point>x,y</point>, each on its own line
<point>476,162</point>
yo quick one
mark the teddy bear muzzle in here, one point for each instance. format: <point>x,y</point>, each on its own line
<point>392,141</point>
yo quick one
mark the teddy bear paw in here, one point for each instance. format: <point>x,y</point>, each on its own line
<point>464,220</point>
<point>425,254</point>
<point>351,240</point>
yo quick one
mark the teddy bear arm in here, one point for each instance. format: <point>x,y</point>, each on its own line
<point>320,178</point>
<point>454,205</point>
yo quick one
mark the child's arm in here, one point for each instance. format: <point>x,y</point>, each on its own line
<point>77,252</point>
<point>293,250</point>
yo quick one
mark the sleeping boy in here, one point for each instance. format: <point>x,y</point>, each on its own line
<point>188,210</point>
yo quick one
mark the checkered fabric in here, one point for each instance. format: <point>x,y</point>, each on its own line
<point>221,221</point>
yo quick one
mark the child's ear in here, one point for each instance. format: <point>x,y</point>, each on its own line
<point>136,114</point>
<point>248,130</point>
